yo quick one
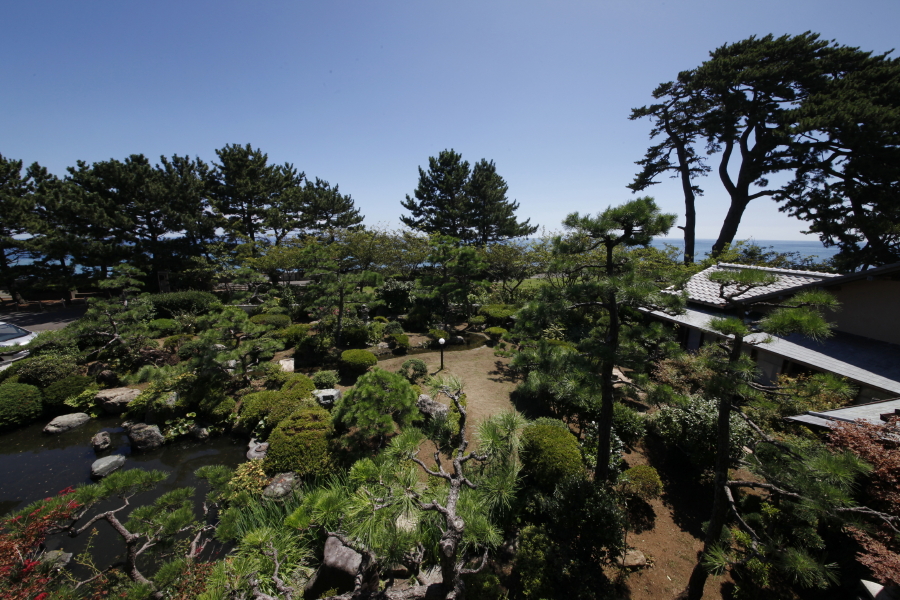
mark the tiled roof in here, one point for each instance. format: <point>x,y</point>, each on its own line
<point>867,362</point>
<point>870,413</point>
<point>700,289</point>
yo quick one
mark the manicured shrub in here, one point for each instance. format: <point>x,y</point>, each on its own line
<point>175,342</point>
<point>299,385</point>
<point>325,380</point>
<point>476,322</point>
<point>375,331</point>
<point>56,393</point>
<point>171,304</point>
<point>45,369</point>
<point>400,342</point>
<point>413,369</point>
<point>300,444</point>
<point>377,401</point>
<point>497,314</point>
<point>642,481</point>
<point>550,455</point>
<point>495,333</point>
<point>437,334</point>
<point>269,406</point>
<point>357,362</point>
<point>20,403</point>
<point>163,327</point>
<point>271,320</point>
<point>393,328</point>
<point>692,427</point>
<point>380,319</point>
<point>292,336</point>
<point>628,423</point>
<point>355,336</point>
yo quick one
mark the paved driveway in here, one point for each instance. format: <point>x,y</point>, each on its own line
<point>43,321</point>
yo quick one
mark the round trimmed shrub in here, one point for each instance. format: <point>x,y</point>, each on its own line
<point>357,362</point>
<point>476,322</point>
<point>20,403</point>
<point>271,320</point>
<point>300,444</point>
<point>380,319</point>
<point>413,369</point>
<point>393,328</point>
<point>298,385</point>
<point>438,334</point>
<point>292,336</point>
<point>171,304</point>
<point>643,482</point>
<point>497,314</point>
<point>550,455</point>
<point>354,336</point>
<point>163,327</point>
<point>45,369</point>
<point>57,392</point>
<point>273,406</point>
<point>373,406</point>
<point>400,342</point>
<point>495,333</point>
<point>325,380</point>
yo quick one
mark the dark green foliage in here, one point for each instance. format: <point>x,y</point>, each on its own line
<point>44,369</point>
<point>173,343</point>
<point>484,586</point>
<point>414,369</point>
<point>380,319</point>
<point>692,427</point>
<point>298,384</point>
<point>300,444</point>
<point>397,295</point>
<point>56,393</point>
<point>262,411</point>
<point>357,362</point>
<point>497,314</point>
<point>373,406</point>
<point>325,380</point>
<point>355,336</point>
<point>292,336</point>
<point>437,334</point>
<point>401,343</point>
<point>163,327</point>
<point>642,481</point>
<point>393,328</point>
<point>172,304</point>
<point>628,424</point>
<point>271,320</point>
<point>20,403</point>
<point>550,455</point>
<point>495,333</point>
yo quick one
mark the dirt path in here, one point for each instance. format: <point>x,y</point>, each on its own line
<point>485,379</point>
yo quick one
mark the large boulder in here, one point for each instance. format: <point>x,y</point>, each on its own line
<point>337,571</point>
<point>327,398</point>
<point>280,486</point>
<point>632,558</point>
<point>287,364</point>
<point>431,408</point>
<point>101,441</point>
<point>106,465</point>
<point>145,437</point>
<point>114,401</point>
<point>66,422</point>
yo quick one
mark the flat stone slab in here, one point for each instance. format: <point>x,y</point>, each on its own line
<point>67,422</point>
<point>287,364</point>
<point>106,465</point>
<point>327,398</point>
<point>114,401</point>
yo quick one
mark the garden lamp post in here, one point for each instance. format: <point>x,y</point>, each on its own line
<point>441,342</point>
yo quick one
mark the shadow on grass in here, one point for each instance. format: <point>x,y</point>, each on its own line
<point>684,488</point>
<point>503,373</point>
<point>531,408</point>
<point>641,516</point>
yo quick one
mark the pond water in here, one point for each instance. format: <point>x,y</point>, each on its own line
<point>35,465</point>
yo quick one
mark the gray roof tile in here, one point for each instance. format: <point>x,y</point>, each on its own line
<point>701,290</point>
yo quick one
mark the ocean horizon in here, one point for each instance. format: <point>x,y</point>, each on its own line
<point>805,248</point>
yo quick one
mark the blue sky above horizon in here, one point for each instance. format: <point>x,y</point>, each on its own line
<point>362,93</point>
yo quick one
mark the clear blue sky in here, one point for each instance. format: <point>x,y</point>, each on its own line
<point>361,93</point>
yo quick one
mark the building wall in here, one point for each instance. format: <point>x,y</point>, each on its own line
<point>869,309</point>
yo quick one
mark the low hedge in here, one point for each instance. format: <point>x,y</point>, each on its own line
<point>44,369</point>
<point>273,406</point>
<point>357,362</point>
<point>299,444</point>
<point>20,403</point>
<point>271,320</point>
<point>497,314</point>
<point>495,333</point>
<point>56,393</point>
<point>171,304</point>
